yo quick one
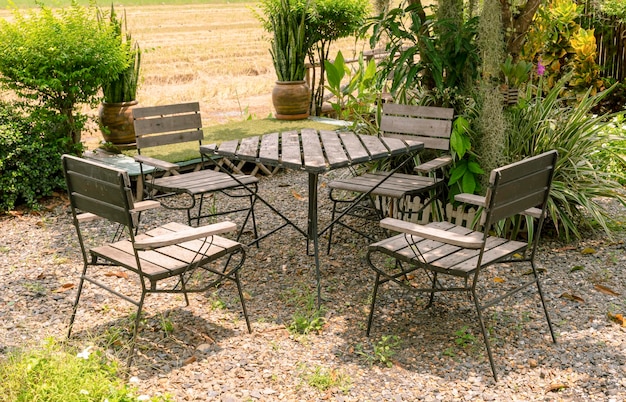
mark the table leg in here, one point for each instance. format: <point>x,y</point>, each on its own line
<point>312,232</point>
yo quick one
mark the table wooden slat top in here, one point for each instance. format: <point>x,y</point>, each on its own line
<point>269,149</point>
<point>335,154</point>
<point>354,148</point>
<point>312,153</point>
<point>291,156</point>
<point>249,147</point>
<point>311,150</point>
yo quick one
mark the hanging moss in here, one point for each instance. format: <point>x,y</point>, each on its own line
<point>491,39</point>
<point>491,124</point>
<point>493,127</point>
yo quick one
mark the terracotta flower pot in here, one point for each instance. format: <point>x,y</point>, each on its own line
<point>291,100</point>
<point>116,122</point>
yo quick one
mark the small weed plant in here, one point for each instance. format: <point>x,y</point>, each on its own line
<point>464,337</point>
<point>324,379</point>
<point>54,372</point>
<point>307,318</point>
<point>382,351</point>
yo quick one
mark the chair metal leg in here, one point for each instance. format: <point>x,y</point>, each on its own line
<point>371,316</point>
<point>432,294</point>
<point>75,307</point>
<point>243,303</point>
<point>184,289</point>
<point>485,334</point>
<point>543,302</point>
<point>330,230</point>
<point>133,340</point>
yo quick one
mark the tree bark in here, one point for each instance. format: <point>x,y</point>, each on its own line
<point>516,27</point>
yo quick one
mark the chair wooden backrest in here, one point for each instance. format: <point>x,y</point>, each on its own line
<point>100,190</point>
<point>167,124</point>
<point>521,187</point>
<point>428,124</point>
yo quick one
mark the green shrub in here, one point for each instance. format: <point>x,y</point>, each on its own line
<point>59,59</point>
<point>587,168</point>
<point>30,156</point>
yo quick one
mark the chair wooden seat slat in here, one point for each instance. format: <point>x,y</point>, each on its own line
<point>163,258</point>
<point>442,248</point>
<point>178,124</point>
<point>430,125</point>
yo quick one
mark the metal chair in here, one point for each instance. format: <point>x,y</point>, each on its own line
<point>163,259</point>
<point>444,249</point>
<point>394,196</point>
<point>177,124</point>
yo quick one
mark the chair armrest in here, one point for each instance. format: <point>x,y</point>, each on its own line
<point>473,241</point>
<point>473,199</point>
<point>479,201</point>
<point>184,235</point>
<point>139,206</point>
<point>156,162</point>
<point>434,164</point>
<point>534,212</point>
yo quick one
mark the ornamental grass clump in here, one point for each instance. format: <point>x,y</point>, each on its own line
<point>586,168</point>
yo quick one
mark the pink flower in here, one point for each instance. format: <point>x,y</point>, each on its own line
<point>541,69</point>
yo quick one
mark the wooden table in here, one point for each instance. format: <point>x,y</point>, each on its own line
<point>314,152</point>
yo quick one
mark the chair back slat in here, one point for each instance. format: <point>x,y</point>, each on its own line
<point>98,189</point>
<point>430,125</point>
<point>519,186</point>
<point>167,124</point>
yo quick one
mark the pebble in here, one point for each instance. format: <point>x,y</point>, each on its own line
<point>587,364</point>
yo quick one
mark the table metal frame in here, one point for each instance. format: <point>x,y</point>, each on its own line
<point>314,152</point>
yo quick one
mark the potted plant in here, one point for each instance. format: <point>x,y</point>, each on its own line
<point>286,21</point>
<point>120,94</point>
<point>515,75</point>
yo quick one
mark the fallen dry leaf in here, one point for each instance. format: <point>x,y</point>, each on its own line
<point>572,297</point>
<point>588,250</point>
<point>63,288</point>
<point>297,195</point>
<point>605,290</point>
<point>618,318</point>
<point>557,387</point>
<point>189,360</point>
<point>566,248</point>
<point>117,274</point>
<point>497,279</point>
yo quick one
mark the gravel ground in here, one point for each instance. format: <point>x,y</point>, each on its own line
<point>439,355</point>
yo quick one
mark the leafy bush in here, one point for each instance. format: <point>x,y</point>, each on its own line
<point>30,155</point>
<point>436,58</point>
<point>59,59</point>
<point>587,168</point>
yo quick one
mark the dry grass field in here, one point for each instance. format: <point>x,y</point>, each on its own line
<point>217,54</point>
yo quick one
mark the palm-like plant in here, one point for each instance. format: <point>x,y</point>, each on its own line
<point>123,87</point>
<point>290,44</point>
<point>583,172</point>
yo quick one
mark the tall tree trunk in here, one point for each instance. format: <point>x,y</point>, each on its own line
<point>516,27</point>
